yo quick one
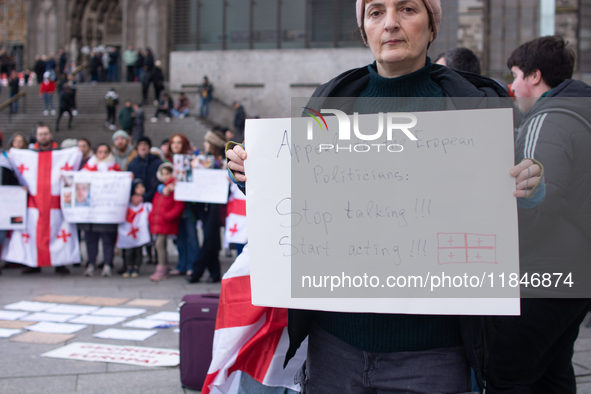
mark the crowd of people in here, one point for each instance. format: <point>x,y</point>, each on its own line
<point>370,352</point>
<point>153,187</point>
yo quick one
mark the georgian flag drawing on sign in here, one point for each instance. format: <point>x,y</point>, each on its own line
<point>135,231</point>
<point>236,230</point>
<point>49,240</point>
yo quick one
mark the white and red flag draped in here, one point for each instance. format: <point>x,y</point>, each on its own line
<point>48,240</point>
<point>236,230</point>
<point>94,165</point>
<point>135,231</point>
<point>249,338</point>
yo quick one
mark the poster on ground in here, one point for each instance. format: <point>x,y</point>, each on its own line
<point>133,355</point>
<point>95,197</point>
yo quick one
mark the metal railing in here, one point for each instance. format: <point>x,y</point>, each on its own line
<point>7,104</point>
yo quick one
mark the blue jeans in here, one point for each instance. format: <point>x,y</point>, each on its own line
<point>176,113</point>
<point>47,100</point>
<point>250,386</point>
<point>204,110</point>
<point>187,243</point>
<point>113,77</point>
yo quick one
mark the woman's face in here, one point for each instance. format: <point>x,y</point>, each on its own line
<point>84,148</point>
<point>398,34</point>
<point>206,147</point>
<point>176,146</point>
<point>102,152</point>
<point>19,142</point>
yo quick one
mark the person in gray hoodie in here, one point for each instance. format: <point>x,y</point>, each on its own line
<point>123,150</point>
<point>532,353</point>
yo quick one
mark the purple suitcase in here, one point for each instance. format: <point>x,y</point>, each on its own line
<point>198,313</point>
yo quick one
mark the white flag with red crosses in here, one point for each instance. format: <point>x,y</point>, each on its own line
<point>48,240</point>
<point>135,231</point>
<point>236,231</point>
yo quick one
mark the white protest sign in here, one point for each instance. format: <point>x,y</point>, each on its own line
<point>390,231</point>
<point>199,184</point>
<point>95,197</point>
<point>133,355</point>
<point>13,215</point>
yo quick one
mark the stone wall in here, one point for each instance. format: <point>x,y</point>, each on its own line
<point>262,80</point>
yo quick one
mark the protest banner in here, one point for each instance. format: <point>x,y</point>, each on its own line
<point>95,197</point>
<point>133,355</point>
<point>423,225</point>
<point>13,216</point>
<point>198,184</point>
<point>48,239</point>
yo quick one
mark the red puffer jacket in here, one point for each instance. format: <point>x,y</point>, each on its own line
<point>166,214</point>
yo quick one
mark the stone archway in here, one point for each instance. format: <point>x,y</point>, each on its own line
<point>97,22</point>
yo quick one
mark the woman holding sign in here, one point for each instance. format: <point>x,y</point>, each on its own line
<point>102,160</point>
<point>209,213</point>
<point>364,352</point>
<point>187,241</point>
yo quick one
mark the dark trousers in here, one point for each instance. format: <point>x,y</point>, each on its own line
<point>164,111</point>
<point>13,106</point>
<point>130,73</point>
<point>532,353</point>
<point>208,256</point>
<point>92,239</point>
<point>133,257</point>
<point>334,366</point>
<point>111,114</point>
<point>157,89</point>
<point>57,122</point>
<point>145,88</point>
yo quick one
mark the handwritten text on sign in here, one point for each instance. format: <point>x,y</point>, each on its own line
<point>13,211</point>
<point>339,230</point>
<point>133,355</point>
<point>95,197</point>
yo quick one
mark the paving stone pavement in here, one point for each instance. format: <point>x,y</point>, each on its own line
<point>22,370</point>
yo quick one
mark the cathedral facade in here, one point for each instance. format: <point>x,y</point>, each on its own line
<point>79,25</point>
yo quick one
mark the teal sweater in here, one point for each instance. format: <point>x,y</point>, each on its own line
<point>374,332</point>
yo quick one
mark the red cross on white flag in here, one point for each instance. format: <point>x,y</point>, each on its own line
<point>135,231</point>
<point>49,240</point>
<point>248,338</point>
<point>236,231</point>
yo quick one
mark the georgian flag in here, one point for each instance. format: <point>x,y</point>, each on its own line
<point>249,338</point>
<point>94,165</point>
<point>236,231</point>
<point>135,231</point>
<point>4,162</point>
<point>49,240</point>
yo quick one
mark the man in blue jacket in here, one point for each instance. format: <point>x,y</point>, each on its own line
<point>532,353</point>
<point>145,167</point>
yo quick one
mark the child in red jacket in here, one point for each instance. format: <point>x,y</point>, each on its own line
<point>164,218</point>
<point>46,89</point>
